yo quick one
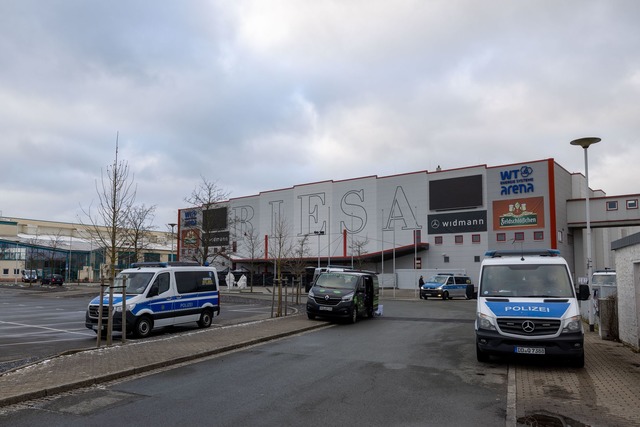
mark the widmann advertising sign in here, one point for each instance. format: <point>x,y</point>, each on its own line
<point>462,222</point>
<point>526,212</point>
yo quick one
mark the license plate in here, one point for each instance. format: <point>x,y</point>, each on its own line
<point>529,350</point>
<point>323,308</point>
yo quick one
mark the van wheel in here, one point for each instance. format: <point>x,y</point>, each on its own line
<point>482,356</point>
<point>445,295</point>
<point>311,316</point>
<point>143,327</point>
<point>206,318</point>
<point>354,314</point>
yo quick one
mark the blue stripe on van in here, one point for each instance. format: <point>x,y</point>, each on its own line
<point>528,309</point>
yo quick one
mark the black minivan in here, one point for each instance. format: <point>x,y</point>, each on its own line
<point>347,294</point>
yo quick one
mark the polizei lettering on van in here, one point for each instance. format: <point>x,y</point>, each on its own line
<point>556,309</point>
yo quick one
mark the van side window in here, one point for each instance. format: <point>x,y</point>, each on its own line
<point>194,281</point>
<point>163,282</point>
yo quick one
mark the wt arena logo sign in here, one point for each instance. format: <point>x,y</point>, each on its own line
<point>516,181</point>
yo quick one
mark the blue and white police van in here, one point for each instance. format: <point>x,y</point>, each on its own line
<point>527,304</point>
<point>447,286</point>
<point>159,295</point>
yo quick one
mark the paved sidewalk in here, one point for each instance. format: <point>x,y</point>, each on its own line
<point>605,393</point>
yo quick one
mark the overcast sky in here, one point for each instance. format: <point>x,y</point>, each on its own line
<point>266,94</point>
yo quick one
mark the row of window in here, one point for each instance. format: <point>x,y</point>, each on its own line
<point>612,205</point>
<point>518,236</point>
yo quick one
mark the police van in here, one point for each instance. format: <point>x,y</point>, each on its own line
<point>447,286</point>
<point>527,304</point>
<point>159,295</point>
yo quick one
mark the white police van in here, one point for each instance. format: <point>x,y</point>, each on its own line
<point>159,295</point>
<point>447,286</point>
<point>527,304</point>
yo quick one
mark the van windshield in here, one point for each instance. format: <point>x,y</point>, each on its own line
<point>532,280</point>
<point>438,279</point>
<point>603,279</point>
<point>136,282</point>
<point>337,281</point>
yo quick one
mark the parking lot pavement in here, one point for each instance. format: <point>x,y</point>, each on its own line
<point>606,392</point>
<point>68,372</point>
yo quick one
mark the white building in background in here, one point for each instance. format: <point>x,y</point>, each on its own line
<point>420,221</point>
<point>68,249</point>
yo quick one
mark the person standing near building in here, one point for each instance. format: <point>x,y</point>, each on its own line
<point>420,282</point>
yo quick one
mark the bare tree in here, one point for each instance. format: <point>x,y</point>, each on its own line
<point>252,245</point>
<point>279,250</point>
<point>33,255</point>
<point>207,196</point>
<point>54,242</point>
<point>139,227</point>
<point>357,247</point>
<point>108,222</point>
<point>299,261</point>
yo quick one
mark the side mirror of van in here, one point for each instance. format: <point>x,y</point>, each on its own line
<point>583,292</point>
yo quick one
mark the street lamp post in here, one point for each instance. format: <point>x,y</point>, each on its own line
<point>15,276</point>
<point>585,143</point>
<point>172,224</point>
<point>319,233</point>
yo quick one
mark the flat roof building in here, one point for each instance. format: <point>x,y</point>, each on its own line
<point>420,221</point>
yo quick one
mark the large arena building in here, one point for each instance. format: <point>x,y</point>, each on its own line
<point>415,223</point>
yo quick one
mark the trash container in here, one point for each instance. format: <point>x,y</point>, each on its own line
<point>608,318</point>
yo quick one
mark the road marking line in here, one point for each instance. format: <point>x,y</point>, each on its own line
<point>38,327</point>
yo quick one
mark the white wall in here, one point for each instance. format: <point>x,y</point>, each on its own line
<point>628,281</point>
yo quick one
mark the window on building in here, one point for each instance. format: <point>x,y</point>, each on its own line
<point>446,258</point>
<point>612,205</point>
<point>476,258</point>
<point>459,239</point>
<point>151,257</point>
<point>5,271</point>
<point>538,235</point>
<point>437,240</point>
<point>632,204</point>
<point>475,238</point>
<point>519,236</point>
<point>501,237</point>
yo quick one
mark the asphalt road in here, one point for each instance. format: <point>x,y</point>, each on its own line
<point>415,365</point>
<point>36,324</point>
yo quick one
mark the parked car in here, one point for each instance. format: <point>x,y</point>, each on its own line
<point>447,286</point>
<point>53,279</point>
<point>29,276</point>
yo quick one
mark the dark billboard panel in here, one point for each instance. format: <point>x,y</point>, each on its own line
<point>214,219</point>
<point>464,192</point>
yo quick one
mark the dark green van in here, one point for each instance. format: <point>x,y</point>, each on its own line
<point>348,295</point>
